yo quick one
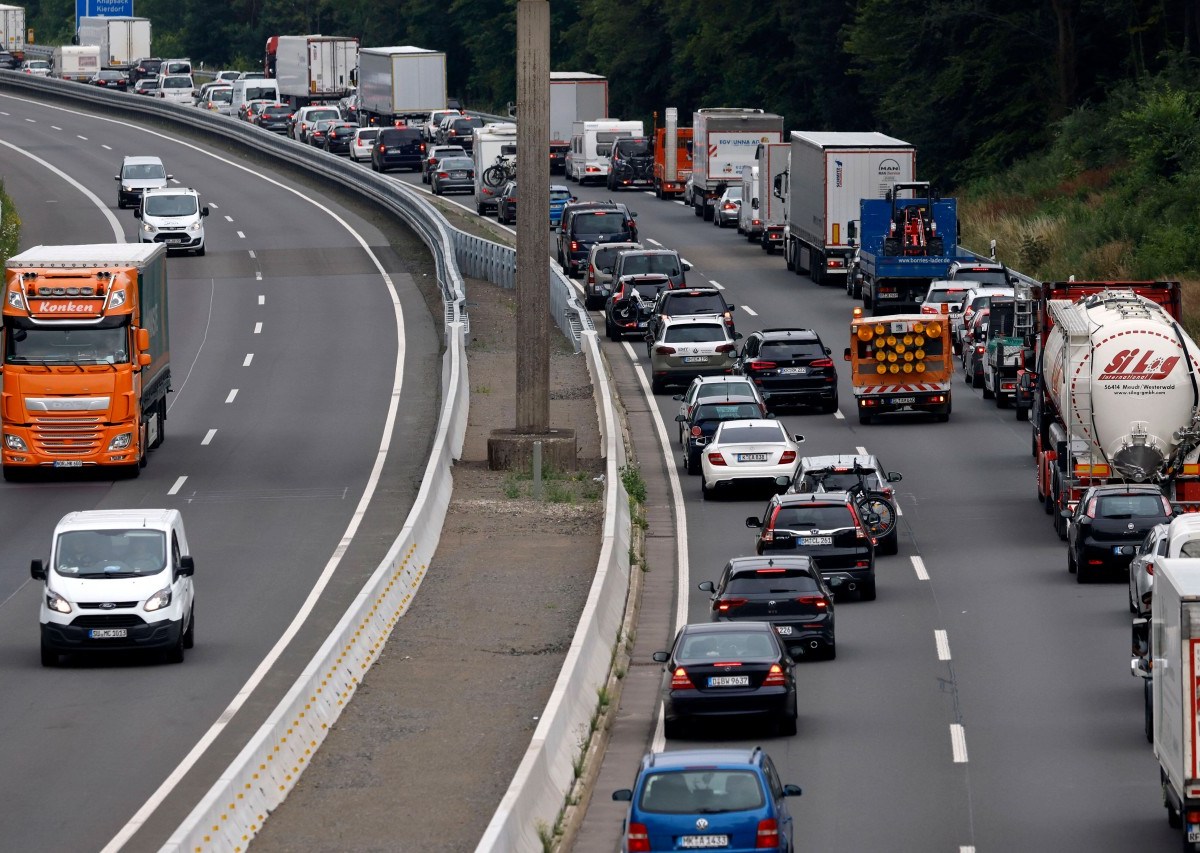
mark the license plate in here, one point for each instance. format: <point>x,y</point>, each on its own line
<point>793,370</point>
<point>1193,833</point>
<point>108,633</point>
<point>752,457</point>
<point>458,174</point>
<point>785,630</point>
<point>173,240</point>
<point>901,401</point>
<point>889,296</point>
<point>68,463</point>
<point>816,540</point>
<point>729,681</point>
<point>693,359</point>
<point>703,842</point>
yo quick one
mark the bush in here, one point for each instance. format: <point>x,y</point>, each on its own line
<point>10,226</point>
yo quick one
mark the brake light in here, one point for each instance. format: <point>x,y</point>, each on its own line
<point>443,174</point>
<point>680,680</point>
<point>979,349</point>
<point>637,838</point>
<point>774,677</point>
<point>788,457</point>
<point>716,459</point>
<point>422,147</point>
<point>574,246</point>
<point>768,834</point>
<point>1150,568</point>
<point>727,604</point>
<point>382,149</point>
<point>725,348</point>
<point>1090,512</point>
<point>697,431</point>
<point>817,601</point>
<point>591,274</point>
<point>822,362</point>
<point>729,206</point>
<point>1166,506</point>
<point>761,365</point>
<point>859,532</point>
<point>663,350</point>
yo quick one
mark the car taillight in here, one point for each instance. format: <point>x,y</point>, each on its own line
<point>788,457</point>
<point>727,604</point>
<point>697,431</point>
<point>637,838</point>
<point>574,246</point>
<point>1090,512</point>
<point>817,601</point>
<point>591,274</point>
<point>729,206</point>
<point>979,350</point>
<point>768,834</point>
<point>1166,506</point>
<point>761,365</point>
<point>422,147</point>
<point>822,362</point>
<point>443,174</point>
<point>774,677</point>
<point>664,350</point>
<point>1150,568</point>
<point>726,348</point>
<point>382,149</point>
<point>680,680</point>
<point>859,531</point>
<point>716,459</point>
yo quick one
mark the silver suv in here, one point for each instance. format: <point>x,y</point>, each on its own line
<point>687,347</point>
<point>835,473</point>
<point>662,261</point>
<point>598,274</point>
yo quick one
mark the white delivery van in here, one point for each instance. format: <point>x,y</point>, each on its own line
<point>750,221</point>
<point>253,89</point>
<point>491,143</point>
<point>591,147</point>
<point>117,580</point>
<point>172,215</point>
<point>176,88</point>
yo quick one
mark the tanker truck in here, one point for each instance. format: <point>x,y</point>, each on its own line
<point>1118,400</point>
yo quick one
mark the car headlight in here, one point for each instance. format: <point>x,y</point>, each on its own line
<point>57,603</point>
<point>126,189</point>
<point>121,442</point>
<point>195,226</point>
<point>148,228</point>
<point>14,442</point>
<point>159,600</point>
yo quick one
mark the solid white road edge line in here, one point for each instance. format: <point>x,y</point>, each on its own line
<point>958,742</point>
<point>335,559</point>
<point>208,437</point>
<point>942,641</point>
<point>919,568</point>
<point>118,231</point>
<point>174,490</point>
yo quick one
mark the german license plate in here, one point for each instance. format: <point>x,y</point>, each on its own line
<point>173,240</point>
<point>889,296</point>
<point>108,633</point>
<point>784,630</point>
<point>816,540</point>
<point>793,370</point>
<point>693,359</point>
<point>752,457</point>
<point>703,842</point>
<point>729,681</point>
<point>903,401</point>
<point>68,463</point>
<point>458,174</point>
<point>1193,833</point>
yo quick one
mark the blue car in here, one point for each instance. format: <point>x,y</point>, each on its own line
<point>559,196</point>
<point>727,799</point>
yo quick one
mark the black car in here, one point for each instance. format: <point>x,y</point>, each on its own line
<point>320,130</point>
<point>631,163</point>
<point>8,62</point>
<point>143,68</point>
<point>460,131</point>
<point>584,225</point>
<point>398,147</point>
<point>338,137</point>
<point>274,118</point>
<point>690,302</point>
<point>839,472</point>
<point>719,670</point>
<point>823,526</point>
<point>627,311</point>
<point>109,79</point>
<point>506,203</point>
<point>790,367</point>
<point>699,426</point>
<point>558,157</point>
<point>1108,524</point>
<point>788,592</point>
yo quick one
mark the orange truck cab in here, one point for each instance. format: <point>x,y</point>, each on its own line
<point>669,178</point>
<point>900,363</point>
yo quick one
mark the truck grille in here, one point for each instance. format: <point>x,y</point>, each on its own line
<point>116,620</point>
<point>67,436</point>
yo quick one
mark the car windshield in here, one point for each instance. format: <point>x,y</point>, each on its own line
<point>560,195</point>
<point>726,645</point>
<point>701,791</point>
<point>789,350</point>
<point>66,346</point>
<point>695,333</point>
<point>599,222</point>
<point>367,133</point>
<point>660,263</point>
<point>813,517</point>
<point>168,205</point>
<point>726,412</point>
<point>221,96</point>
<point>176,83</point>
<point>942,295</point>
<point>277,112</point>
<point>259,93</point>
<point>38,63</point>
<point>815,481</point>
<point>772,580</point>
<point>647,290</point>
<point>635,147</point>
<point>764,434</point>
<point>144,171</point>
<point>724,389</point>
<point>604,142</point>
<point>606,255</point>
<point>983,276</point>
<point>462,163</point>
<point>322,115</point>
<point>110,553</point>
<point>703,303</point>
<point>1130,506</point>
<point>734,193</point>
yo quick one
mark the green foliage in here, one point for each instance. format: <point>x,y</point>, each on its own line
<point>10,226</point>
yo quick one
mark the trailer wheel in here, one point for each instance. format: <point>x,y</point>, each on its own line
<point>789,260</point>
<point>697,209</point>
<point>708,210</point>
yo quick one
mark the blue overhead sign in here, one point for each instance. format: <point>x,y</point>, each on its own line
<point>102,8</point>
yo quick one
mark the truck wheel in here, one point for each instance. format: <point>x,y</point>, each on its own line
<point>788,259</point>
<point>697,209</point>
<point>1060,525</point>
<point>863,417</point>
<point>707,210</point>
<point>160,417</point>
<point>1071,567</point>
<point>1148,694</point>
<point>987,394</point>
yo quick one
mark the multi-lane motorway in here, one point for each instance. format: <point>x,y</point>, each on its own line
<point>305,372</point>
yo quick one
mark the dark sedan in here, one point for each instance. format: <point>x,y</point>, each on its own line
<point>788,592</point>
<point>1108,524</point>
<point>697,428</point>
<point>719,670</point>
<point>790,367</point>
<point>320,130</point>
<point>506,204</point>
<point>338,137</point>
<point>558,157</point>
<point>274,118</point>
<point>453,174</point>
<point>110,80</point>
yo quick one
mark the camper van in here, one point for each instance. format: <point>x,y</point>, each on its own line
<point>490,143</point>
<point>591,147</point>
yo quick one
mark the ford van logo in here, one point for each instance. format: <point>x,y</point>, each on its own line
<point>108,605</point>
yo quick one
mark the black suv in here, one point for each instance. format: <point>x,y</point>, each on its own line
<point>558,157</point>
<point>587,223</point>
<point>461,131</point>
<point>788,592</point>
<point>147,67</point>
<point>790,366</point>
<point>984,272</point>
<point>690,302</point>
<point>401,147</point>
<point>9,62</point>
<point>631,163</point>
<point>665,261</point>
<point>826,527</point>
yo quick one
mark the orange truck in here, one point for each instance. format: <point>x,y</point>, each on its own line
<point>900,363</point>
<point>86,358</point>
<point>672,156</point>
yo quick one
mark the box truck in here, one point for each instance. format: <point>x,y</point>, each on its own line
<point>773,159</point>
<point>723,140</point>
<point>399,82</point>
<point>12,29</point>
<point>575,96</point>
<point>122,40</point>
<point>828,174</point>
<point>312,68</point>
<point>76,62</point>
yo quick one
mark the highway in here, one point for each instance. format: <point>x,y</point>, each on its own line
<point>305,371</point>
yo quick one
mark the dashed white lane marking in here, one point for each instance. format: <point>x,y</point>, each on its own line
<point>262,299</point>
<point>958,742</point>
<point>838,414</point>
<point>252,254</point>
<point>214,205</point>
<point>919,568</point>
<point>55,127</point>
<point>716,284</point>
<point>686,261</point>
<point>77,136</point>
<point>174,490</point>
<point>749,310</point>
<point>31,120</point>
<point>105,147</point>
<point>228,218</point>
<point>249,358</point>
<point>208,437</point>
<point>861,451</point>
<point>174,180</point>
<point>943,644</point>
<point>8,114</point>
<point>966,849</point>
<point>241,236</point>
<point>257,275</point>
<point>232,395</point>
<point>653,242</point>
<point>258,328</point>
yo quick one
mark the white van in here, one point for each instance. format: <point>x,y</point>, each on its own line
<point>591,147</point>
<point>489,143</point>
<point>172,215</point>
<point>750,221</point>
<point>253,89</point>
<point>177,88</point>
<point>117,580</point>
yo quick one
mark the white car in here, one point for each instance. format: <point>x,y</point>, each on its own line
<point>688,346</point>
<point>217,99</point>
<point>174,216</point>
<point>1141,568</point>
<point>436,117</point>
<point>306,117</point>
<point>360,145</point>
<point>977,297</point>
<point>177,88</point>
<point>117,580</point>
<point>36,67</point>
<point>754,452</point>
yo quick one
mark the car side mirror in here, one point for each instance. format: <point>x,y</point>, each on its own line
<point>752,521</point>
<point>170,177</point>
<point>116,177</point>
<point>681,419</point>
<point>187,566</point>
<point>624,795</point>
<point>799,438</point>
<point>143,339</point>
<point>37,570</point>
<point>828,351</point>
<point>677,397</point>
<point>846,353</point>
<point>144,359</point>
<point>706,586</point>
<point>792,791</point>
<point>894,476</point>
<point>686,266</point>
<point>204,210</point>
<point>732,308</point>
<point>661,657</point>
<point>137,213</point>
<point>737,336</point>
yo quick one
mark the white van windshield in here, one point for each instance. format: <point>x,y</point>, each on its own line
<point>110,553</point>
